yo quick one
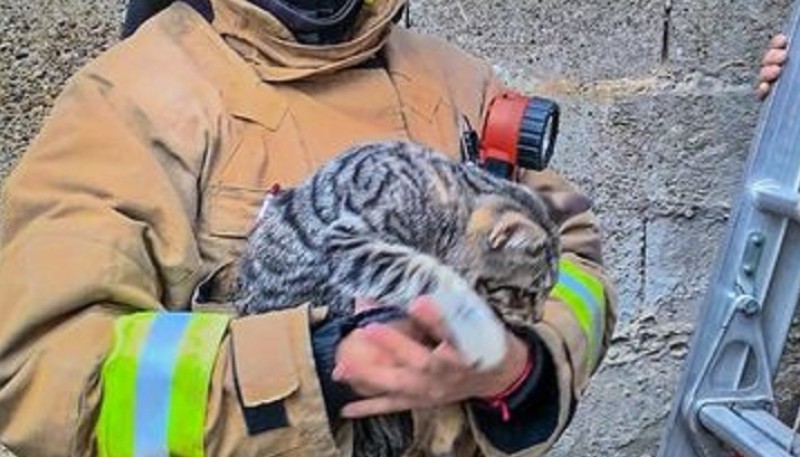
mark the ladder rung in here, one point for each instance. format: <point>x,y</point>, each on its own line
<point>773,427</point>
<point>769,198</point>
<point>752,435</point>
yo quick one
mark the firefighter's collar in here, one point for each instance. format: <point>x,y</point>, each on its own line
<point>273,52</point>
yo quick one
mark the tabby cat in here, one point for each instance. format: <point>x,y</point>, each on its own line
<point>390,221</point>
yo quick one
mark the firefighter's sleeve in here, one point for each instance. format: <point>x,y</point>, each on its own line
<point>97,250</point>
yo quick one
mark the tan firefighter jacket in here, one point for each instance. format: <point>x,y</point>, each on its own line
<point>139,192</point>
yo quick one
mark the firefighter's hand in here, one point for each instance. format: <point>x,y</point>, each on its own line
<point>407,365</point>
<point>771,65</point>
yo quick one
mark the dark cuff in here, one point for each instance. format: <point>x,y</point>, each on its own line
<point>325,340</point>
<point>534,407</point>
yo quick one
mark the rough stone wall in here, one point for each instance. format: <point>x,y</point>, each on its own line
<point>658,113</point>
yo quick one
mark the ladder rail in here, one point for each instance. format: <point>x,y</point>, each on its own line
<point>725,394</point>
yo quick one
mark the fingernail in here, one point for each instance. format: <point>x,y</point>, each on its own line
<point>346,413</point>
<point>338,372</point>
<point>372,328</point>
<point>364,304</point>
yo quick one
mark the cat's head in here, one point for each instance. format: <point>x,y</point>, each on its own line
<point>510,255</point>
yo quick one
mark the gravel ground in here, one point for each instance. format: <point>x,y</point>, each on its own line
<point>42,42</point>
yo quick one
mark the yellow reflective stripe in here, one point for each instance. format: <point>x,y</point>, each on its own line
<point>575,303</point>
<point>115,426</point>
<point>590,282</point>
<point>585,296</point>
<point>155,384</point>
<point>190,385</point>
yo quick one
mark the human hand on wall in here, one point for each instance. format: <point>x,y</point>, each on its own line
<point>391,365</point>
<point>771,65</point>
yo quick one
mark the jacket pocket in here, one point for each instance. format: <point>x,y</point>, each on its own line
<point>231,212</point>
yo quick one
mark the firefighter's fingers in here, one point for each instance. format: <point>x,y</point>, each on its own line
<point>779,41</point>
<point>769,74</point>
<point>762,90</point>
<point>425,313</point>
<point>775,57</point>
<point>381,405</point>
<point>772,64</point>
<point>404,350</point>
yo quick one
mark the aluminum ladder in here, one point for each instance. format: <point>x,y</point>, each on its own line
<point>724,404</point>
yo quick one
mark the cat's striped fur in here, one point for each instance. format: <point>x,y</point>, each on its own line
<point>390,221</point>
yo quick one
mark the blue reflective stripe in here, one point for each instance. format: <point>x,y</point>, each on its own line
<point>154,377</point>
<point>592,306</point>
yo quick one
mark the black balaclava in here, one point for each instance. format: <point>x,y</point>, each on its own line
<point>315,21</point>
<point>310,21</point>
<point>138,11</point>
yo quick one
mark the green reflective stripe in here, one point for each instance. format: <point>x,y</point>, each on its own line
<point>585,297</point>
<point>115,428</point>
<point>590,282</point>
<point>139,367</point>
<point>580,312</point>
<point>189,400</point>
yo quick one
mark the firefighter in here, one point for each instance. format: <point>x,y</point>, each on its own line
<point>122,222</point>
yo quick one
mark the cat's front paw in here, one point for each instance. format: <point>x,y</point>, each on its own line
<point>474,330</point>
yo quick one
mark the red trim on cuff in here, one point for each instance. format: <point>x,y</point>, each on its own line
<point>500,400</point>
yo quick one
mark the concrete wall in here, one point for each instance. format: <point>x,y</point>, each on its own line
<point>658,114</point>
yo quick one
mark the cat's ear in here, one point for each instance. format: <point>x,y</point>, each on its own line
<point>513,230</point>
<point>561,206</point>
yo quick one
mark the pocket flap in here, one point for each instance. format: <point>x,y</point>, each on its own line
<point>232,211</point>
<point>263,362</point>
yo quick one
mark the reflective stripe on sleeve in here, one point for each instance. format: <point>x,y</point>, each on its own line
<point>155,384</point>
<point>585,296</point>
